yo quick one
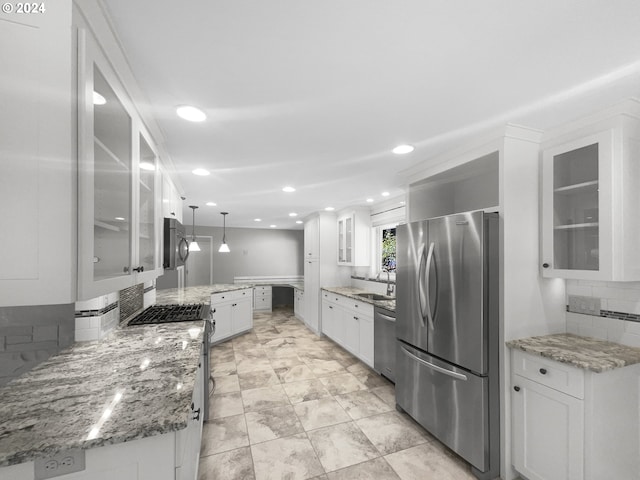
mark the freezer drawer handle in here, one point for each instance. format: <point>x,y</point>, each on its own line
<point>457,376</point>
<point>386,317</point>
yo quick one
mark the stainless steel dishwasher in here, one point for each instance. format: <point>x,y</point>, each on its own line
<point>384,342</point>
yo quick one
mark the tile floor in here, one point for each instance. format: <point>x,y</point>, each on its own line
<point>291,405</point>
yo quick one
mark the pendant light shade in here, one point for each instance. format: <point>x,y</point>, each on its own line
<point>224,248</point>
<point>193,245</point>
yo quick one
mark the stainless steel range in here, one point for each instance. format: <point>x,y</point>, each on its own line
<point>170,313</point>
<point>156,314</point>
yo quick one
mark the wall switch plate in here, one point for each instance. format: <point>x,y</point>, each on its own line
<point>584,305</point>
<point>61,463</point>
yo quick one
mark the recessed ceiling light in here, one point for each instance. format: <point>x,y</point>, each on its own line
<point>201,172</point>
<point>211,204</point>
<point>299,221</point>
<point>385,194</point>
<point>147,166</point>
<point>288,189</point>
<point>98,99</point>
<point>329,209</point>
<point>402,149</point>
<point>193,114</point>
<point>403,203</point>
<point>120,218</point>
<point>273,226</point>
<point>369,200</point>
<point>293,214</point>
<point>257,219</point>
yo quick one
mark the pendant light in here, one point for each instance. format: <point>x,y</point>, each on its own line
<point>224,248</point>
<point>193,245</point>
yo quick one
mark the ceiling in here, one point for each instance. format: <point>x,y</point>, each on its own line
<point>315,94</point>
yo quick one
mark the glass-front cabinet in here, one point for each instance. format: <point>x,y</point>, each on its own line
<point>353,238</point>
<point>118,189</point>
<point>590,203</point>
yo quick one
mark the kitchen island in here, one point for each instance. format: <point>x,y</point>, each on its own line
<point>136,386</point>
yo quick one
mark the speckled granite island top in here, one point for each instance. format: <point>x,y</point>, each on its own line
<point>135,383</point>
<point>199,294</point>
<point>581,352</point>
<point>352,292</point>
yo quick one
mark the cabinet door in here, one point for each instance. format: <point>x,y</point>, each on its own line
<point>222,316</point>
<point>328,319</point>
<point>577,209</point>
<point>312,238</point>
<point>148,231</point>
<point>118,211</point>
<point>241,315</point>
<point>351,323</point>
<point>366,340</point>
<point>312,294</point>
<point>548,432</point>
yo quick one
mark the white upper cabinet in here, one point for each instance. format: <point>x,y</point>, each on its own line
<point>119,183</point>
<point>37,158</point>
<point>590,198</point>
<point>354,237</point>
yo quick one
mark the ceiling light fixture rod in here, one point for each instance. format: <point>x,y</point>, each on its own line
<point>193,246</point>
<point>224,248</point>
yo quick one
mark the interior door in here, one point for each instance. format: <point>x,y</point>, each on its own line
<point>455,291</point>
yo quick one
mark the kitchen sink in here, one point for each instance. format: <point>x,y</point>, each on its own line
<point>374,296</point>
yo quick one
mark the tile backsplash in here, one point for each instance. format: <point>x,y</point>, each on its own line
<point>618,318</point>
<point>29,335</point>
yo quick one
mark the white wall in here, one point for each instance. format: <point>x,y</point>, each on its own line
<point>255,252</point>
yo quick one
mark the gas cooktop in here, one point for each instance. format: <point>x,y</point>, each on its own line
<point>169,313</point>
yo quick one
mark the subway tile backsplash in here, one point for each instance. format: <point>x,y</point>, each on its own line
<point>619,315</point>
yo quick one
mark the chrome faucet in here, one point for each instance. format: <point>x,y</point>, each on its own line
<point>389,286</point>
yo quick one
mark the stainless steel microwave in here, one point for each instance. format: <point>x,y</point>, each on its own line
<point>176,245</point>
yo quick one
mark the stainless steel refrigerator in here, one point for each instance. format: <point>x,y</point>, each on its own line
<point>447,306</point>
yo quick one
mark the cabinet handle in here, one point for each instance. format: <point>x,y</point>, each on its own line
<point>125,269</point>
<point>330,307</point>
<point>543,371</point>
<point>234,304</point>
<point>516,388</point>
<point>196,414</point>
<point>139,269</point>
<point>545,265</point>
<point>356,318</point>
<point>173,213</point>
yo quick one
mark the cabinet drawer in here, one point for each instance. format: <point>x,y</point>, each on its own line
<point>561,377</point>
<point>221,297</point>
<point>245,293</point>
<point>357,307</point>
<point>262,289</point>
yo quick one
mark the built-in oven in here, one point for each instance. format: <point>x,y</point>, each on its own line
<point>183,313</point>
<point>176,245</point>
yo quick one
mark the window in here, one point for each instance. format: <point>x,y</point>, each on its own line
<point>388,249</point>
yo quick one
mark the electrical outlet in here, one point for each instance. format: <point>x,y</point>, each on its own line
<point>60,464</point>
<point>584,305</point>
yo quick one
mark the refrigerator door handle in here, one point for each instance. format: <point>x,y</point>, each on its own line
<point>420,284</point>
<point>430,262</point>
<point>457,376</point>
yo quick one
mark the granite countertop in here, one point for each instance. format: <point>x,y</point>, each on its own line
<point>145,376</point>
<point>581,352</point>
<point>352,292</point>
<point>199,294</point>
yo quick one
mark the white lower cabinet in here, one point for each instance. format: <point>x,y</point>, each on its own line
<point>573,424</point>
<point>233,313</point>
<point>349,323</point>
<point>262,298</point>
